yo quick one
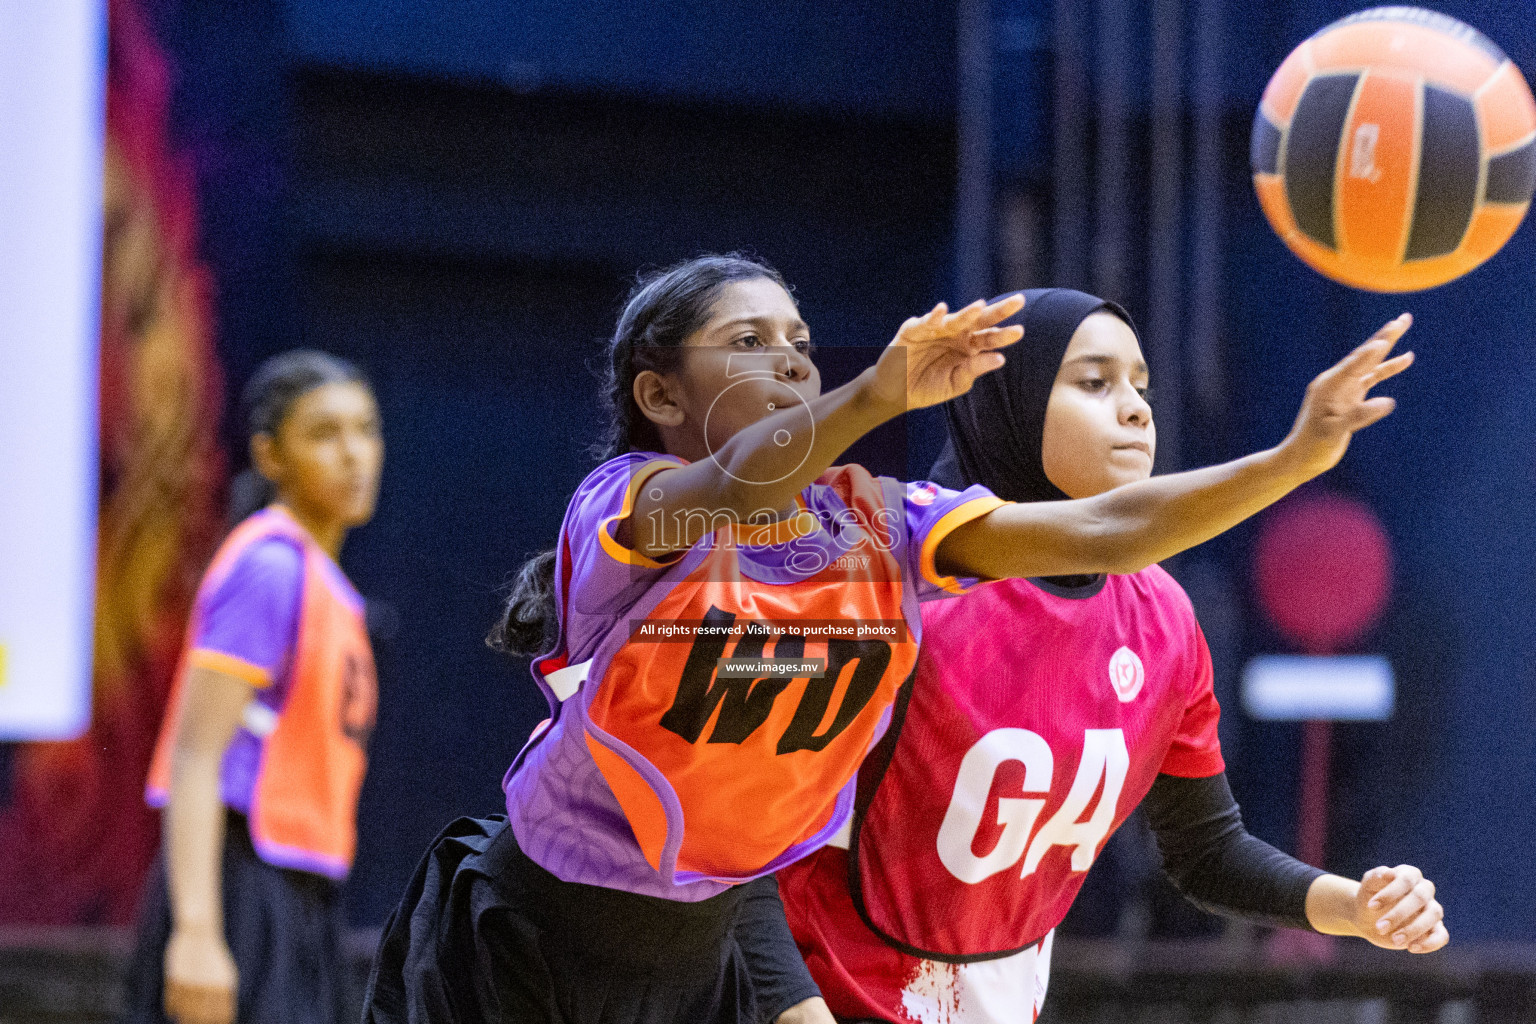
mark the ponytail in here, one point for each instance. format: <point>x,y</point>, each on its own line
<point>249,493</point>
<point>663,309</point>
<point>530,616</point>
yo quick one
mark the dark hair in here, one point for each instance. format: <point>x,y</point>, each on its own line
<point>662,310</point>
<point>267,400</point>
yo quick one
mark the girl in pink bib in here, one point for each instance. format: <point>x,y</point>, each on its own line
<point>1042,712</point>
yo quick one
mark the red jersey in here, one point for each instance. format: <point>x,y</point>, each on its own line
<point>1037,720</point>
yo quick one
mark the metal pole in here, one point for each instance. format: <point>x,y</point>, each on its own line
<point>1069,172</point>
<point>973,201</point>
<point>1164,291</point>
<point>1112,216</point>
<point>1206,383</point>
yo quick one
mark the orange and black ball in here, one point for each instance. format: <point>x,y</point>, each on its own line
<point>1395,150</point>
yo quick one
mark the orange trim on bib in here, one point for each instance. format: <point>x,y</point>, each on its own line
<point>618,552</point>
<point>951,521</point>
<point>755,764</point>
<point>229,665</point>
<point>781,531</point>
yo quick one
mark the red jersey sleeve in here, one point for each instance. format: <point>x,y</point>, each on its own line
<point>1195,752</point>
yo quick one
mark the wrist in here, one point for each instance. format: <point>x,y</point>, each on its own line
<point>1290,462</point>
<point>871,402</point>
<point>1330,905</point>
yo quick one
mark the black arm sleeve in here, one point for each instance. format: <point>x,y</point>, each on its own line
<point>780,978</point>
<point>1215,863</point>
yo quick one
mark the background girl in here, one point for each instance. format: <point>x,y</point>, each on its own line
<point>261,755</point>
<point>1042,712</point>
<point>686,763</point>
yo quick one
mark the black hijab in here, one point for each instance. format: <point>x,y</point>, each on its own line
<point>997,429</point>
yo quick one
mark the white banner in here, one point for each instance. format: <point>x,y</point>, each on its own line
<point>52,96</point>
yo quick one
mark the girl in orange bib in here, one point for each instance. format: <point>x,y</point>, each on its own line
<point>733,616</point>
<point>261,756</point>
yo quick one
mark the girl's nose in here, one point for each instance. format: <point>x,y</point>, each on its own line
<point>1135,409</point>
<point>799,365</point>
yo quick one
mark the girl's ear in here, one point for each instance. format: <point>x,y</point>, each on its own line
<point>264,457</point>
<point>655,400</point>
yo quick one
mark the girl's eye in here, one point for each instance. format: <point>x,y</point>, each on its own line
<point>804,347</point>
<point>750,341</point>
<point>1093,384</point>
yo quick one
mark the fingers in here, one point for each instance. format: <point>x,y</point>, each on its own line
<point>995,337</point>
<point>1402,901</point>
<point>961,319</point>
<point>1372,351</point>
<point>1372,410</point>
<point>1394,329</point>
<point>1403,878</point>
<point>1417,930</point>
<point>1391,368</point>
<point>1436,939</point>
<point>964,375</point>
<point>1409,915</point>
<point>979,315</point>
<point>1005,307</point>
<point>1373,882</point>
<point>985,362</point>
<point>928,319</point>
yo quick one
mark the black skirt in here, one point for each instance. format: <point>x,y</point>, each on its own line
<point>284,930</point>
<point>484,934</point>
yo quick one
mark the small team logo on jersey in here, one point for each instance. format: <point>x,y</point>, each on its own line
<point>924,494</point>
<point>1126,674</point>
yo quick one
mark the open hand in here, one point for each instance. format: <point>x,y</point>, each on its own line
<point>1338,402</point>
<point>200,978</point>
<point>1396,909</point>
<point>935,357</point>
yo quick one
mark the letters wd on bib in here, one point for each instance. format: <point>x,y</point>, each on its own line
<point>52,80</point>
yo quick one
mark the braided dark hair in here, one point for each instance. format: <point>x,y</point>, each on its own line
<point>662,310</point>
<point>267,400</point>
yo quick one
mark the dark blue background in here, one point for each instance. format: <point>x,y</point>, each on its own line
<point>456,194</point>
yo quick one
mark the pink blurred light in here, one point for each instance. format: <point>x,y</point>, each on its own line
<point>1322,570</point>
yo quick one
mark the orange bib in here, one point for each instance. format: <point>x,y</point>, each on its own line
<point>303,811</point>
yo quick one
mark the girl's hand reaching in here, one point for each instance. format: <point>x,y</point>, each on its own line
<point>935,357</point>
<point>1394,908</point>
<point>1338,402</point>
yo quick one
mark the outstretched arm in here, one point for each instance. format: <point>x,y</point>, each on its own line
<point>1131,527</point>
<point>932,359</point>
<point>1213,860</point>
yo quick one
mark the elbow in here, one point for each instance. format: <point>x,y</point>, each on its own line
<point>1111,545</point>
<point>733,500</point>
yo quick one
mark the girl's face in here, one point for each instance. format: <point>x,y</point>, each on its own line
<point>751,359</point>
<point>326,456</point>
<point>1098,426</point>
